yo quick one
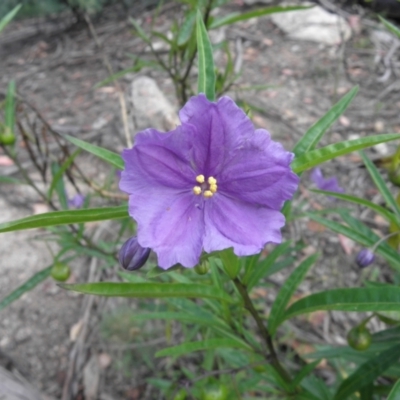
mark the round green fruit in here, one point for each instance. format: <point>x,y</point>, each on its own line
<point>181,395</point>
<point>359,338</point>
<point>216,391</point>
<point>7,139</point>
<point>60,272</point>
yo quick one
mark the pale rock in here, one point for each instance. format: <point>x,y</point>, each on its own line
<point>314,24</point>
<point>150,108</point>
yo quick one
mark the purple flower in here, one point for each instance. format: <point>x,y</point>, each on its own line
<point>76,201</point>
<point>132,256</point>
<point>212,183</point>
<point>365,257</point>
<point>330,185</point>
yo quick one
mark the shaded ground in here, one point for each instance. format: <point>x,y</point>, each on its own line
<point>56,73</point>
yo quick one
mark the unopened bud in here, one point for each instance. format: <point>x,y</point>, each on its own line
<point>202,268</point>
<point>132,255</point>
<point>364,258</point>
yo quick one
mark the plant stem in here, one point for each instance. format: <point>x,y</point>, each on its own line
<point>248,304</point>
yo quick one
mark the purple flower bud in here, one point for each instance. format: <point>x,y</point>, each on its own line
<point>76,201</point>
<point>330,184</point>
<point>364,258</point>
<point>132,255</point>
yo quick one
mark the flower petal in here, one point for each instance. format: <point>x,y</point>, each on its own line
<point>171,223</point>
<point>220,127</point>
<point>259,173</point>
<point>232,223</point>
<point>158,159</point>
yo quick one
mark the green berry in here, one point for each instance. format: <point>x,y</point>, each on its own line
<point>216,391</point>
<point>60,272</point>
<point>359,338</point>
<point>7,139</point>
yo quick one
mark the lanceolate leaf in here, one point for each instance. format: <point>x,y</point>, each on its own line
<point>106,155</point>
<point>357,235</point>
<point>317,131</point>
<point>381,185</point>
<point>206,79</point>
<point>395,392</point>
<point>253,275</point>
<point>209,344</point>
<point>65,217</point>
<point>149,290</point>
<point>357,200</point>
<point>392,28</point>
<point>349,299</point>
<point>236,17</point>
<point>26,287</point>
<point>9,17</point>
<point>368,372</point>
<point>315,157</point>
<point>287,291</point>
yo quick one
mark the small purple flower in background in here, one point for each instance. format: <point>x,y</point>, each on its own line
<point>365,257</point>
<point>330,184</point>
<point>132,256</point>
<point>212,183</point>
<point>76,201</point>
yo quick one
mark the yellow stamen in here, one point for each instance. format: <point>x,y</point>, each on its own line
<point>197,190</point>
<point>212,180</point>
<point>213,188</point>
<point>207,194</point>
<point>200,178</point>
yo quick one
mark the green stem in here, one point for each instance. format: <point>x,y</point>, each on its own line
<point>248,304</point>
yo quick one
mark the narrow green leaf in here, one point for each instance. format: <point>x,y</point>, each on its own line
<point>348,299</point>
<point>10,107</point>
<point>60,172</point>
<point>392,28</point>
<point>187,28</point>
<point>286,292</point>
<point>9,179</point>
<point>206,79</point>
<point>59,186</point>
<point>236,17</point>
<point>9,17</point>
<point>315,157</point>
<point>142,34</point>
<point>362,202</point>
<point>380,184</point>
<point>149,290</point>
<point>65,217</point>
<point>315,133</point>
<point>368,372</point>
<point>26,287</point>
<point>106,155</point>
<point>209,344</point>
<point>305,371</point>
<point>363,236</point>
<point>395,392</point>
<point>253,276</point>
